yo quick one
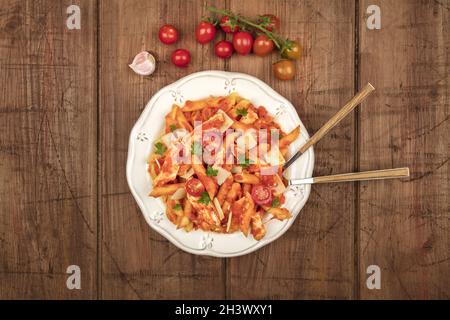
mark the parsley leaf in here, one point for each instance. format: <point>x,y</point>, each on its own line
<point>275,202</point>
<point>160,148</point>
<point>246,163</point>
<point>196,148</point>
<point>241,112</point>
<point>204,198</point>
<point>173,127</point>
<point>177,207</point>
<point>210,172</point>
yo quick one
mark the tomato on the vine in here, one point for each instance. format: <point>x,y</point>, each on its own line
<point>243,42</point>
<point>262,45</point>
<point>261,194</point>
<point>274,22</point>
<point>292,51</point>
<point>223,49</point>
<point>168,34</point>
<point>205,32</point>
<point>227,25</point>
<point>181,58</point>
<point>194,187</point>
<point>284,69</point>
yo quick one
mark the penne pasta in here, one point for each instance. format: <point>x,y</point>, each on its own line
<point>182,121</point>
<point>209,183</point>
<point>221,189</point>
<point>194,105</point>
<point>258,229</point>
<point>165,190</point>
<point>286,140</point>
<point>246,178</point>
<point>224,189</point>
<point>248,211</point>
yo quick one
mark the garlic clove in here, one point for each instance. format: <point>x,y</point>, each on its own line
<point>143,63</point>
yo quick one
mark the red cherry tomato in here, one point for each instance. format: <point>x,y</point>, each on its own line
<point>225,25</point>
<point>262,45</point>
<point>194,187</point>
<point>223,49</point>
<point>243,42</point>
<point>274,22</point>
<point>261,194</point>
<point>181,58</point>
<point>205,32</point>
<point>168,34</point>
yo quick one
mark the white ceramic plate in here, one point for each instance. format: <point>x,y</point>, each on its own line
<point>149,127</point>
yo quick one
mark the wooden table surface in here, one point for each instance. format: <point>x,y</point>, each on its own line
<point>69,101</point>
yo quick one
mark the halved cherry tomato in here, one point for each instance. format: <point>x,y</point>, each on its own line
<point>261,194</point>
<point>284,69</point>
<point>205,32</point>
<point>181,58</point>
<point>243,42</point>
<point>168,34</point>
<point>194,187</point>
<point>293,52</point>
<point>262,45</point>
<point>274,22</point>
<point>223,49</point>
<point>227,25</point>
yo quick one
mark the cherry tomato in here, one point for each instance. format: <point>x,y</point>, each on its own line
<point>168,34</point>
<point>274,22</point>
<point>194,187</point>
<point>226,25</point>
<point>284,69</point>
<point>293,52</point>
<point>261,194</point>
<point>262,45</point>
<point>223,49</point>
<point>181,58</point>
<point>205,32</point>
<point>243,42</point>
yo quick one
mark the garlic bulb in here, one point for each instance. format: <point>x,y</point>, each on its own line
<point>143,63</point>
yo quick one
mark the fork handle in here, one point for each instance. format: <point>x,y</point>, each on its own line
<point>332,122</point>
<point>356,176</point>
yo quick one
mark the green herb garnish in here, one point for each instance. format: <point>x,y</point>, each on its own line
<point>173,127</point>
<point>177,207</point>
<point>246,163</point>
<point>160,148</point>
<point>204,198</point>
<point>196,148</point>
<point>275,202</point>
<point>242,112</point>
<point>210,172</point>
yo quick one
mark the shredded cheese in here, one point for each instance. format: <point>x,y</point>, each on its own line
<point>179,194</point>
<point>219,208</point>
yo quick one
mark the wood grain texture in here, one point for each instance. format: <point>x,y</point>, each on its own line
<point>136,261</point>
<point>364,175</point>
<point>68,102</point>
<point>407,231</point>
<point>47,150</point>
<point>314,259</point>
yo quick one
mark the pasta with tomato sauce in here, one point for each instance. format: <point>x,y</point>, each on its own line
<point>218,167</point>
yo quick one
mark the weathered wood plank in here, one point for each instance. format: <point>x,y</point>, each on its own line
<point>136,261</point>
<point>405,226</point>
<point>314,259</point>
<point>47,150</point>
